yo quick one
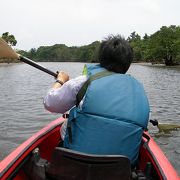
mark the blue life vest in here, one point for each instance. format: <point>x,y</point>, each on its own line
<point>111,120</point>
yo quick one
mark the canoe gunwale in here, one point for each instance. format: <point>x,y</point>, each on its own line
<point>19,154</point>
<point>163,167</point>
<point>153,158</point>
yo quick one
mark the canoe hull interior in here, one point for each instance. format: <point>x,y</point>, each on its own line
<point>12,167</point>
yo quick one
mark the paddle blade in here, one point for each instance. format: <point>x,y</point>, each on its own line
<point>168,127</point>
<point>6,52</point>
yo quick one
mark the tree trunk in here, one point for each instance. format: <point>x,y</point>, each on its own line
<point>169,61</point>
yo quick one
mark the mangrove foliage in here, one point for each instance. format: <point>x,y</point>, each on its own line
<point>162,46</point>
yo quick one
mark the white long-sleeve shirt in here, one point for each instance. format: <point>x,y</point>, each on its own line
<point>63,99</point>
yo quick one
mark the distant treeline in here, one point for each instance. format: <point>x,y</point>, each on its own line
<point>161,47</point>
<point>61,53</point>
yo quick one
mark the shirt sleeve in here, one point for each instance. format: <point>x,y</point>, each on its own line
<point>63,99</point>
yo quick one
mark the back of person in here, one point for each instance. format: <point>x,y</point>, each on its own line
<point>112,117</point>
<point>113,110</point>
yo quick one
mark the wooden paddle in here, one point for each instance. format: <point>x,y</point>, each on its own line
<point>6,52</point>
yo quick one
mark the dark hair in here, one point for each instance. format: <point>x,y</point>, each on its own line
<point>115,54</point>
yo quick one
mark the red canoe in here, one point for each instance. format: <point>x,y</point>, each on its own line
<point>40,158</point>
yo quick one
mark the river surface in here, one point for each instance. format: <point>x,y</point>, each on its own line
<point>23,87</point>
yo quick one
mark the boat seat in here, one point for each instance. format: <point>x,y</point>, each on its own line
<point>67,164</point>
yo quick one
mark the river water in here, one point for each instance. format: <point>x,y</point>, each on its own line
<point>23,87</point>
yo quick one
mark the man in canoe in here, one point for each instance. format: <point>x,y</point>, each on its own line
<point>108,109</point>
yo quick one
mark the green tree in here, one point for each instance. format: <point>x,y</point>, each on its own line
<point>164,45</point>
<point>134,37</point>
<point>136,43</point>
<point>145,48</point>
<point>61,52</point>
<point>9,38</point>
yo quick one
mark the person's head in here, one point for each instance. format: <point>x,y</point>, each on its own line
<point>115,54</point>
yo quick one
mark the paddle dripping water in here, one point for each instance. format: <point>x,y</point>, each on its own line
<point>22,112</point>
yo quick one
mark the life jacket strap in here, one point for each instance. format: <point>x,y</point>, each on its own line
<point>96,76</point>
<point>69,129</point>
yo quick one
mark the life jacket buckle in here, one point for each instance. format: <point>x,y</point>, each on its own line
<point>65,116</point>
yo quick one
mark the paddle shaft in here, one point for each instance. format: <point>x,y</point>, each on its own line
<point>36,65</point>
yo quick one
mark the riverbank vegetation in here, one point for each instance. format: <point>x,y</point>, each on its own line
<point>161,47</point>
<point>61,53</point>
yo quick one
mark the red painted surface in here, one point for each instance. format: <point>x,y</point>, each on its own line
<point>160,161</point>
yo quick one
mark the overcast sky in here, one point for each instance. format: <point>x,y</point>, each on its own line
<point>80,22</point>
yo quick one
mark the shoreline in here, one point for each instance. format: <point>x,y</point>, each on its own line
<point>155,65</point>
<point>149,64</point>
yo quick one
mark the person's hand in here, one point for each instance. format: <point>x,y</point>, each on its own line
<point>60,80</point>
<point>62,76</point>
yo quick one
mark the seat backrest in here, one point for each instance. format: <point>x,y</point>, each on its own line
<point>72,165</point>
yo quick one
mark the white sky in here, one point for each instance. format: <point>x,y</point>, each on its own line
<point>80,22</point>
